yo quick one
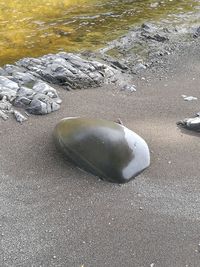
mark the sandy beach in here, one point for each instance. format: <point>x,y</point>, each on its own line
<point>53,214</point>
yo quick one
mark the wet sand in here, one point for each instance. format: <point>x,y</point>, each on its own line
<point>53,214</point>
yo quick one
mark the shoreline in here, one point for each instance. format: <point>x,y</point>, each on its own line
<point>29,83</point>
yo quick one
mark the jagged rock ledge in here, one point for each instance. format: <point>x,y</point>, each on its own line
<point>27,84</point>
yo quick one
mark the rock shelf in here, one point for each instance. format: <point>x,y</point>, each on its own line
<point>28,84</point>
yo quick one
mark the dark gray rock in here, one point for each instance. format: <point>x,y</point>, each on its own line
<point>19,117</point>
<point>89,143</point>
<point>38,98</point>
<point>3,115</point>
<point>42,104</point>
<point>190,124</point>
<point>67,69</point>
<point>157,37</point>
<point>197,33</point>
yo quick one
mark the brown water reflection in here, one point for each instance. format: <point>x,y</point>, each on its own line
<point>33,28</point>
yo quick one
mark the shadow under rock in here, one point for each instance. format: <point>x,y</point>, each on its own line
<point>188,131</point>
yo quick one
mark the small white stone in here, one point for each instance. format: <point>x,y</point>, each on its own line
<point>189,98</point>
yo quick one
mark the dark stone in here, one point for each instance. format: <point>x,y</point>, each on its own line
<point>197,33</point>
<point>190,124</point>
<point>157,37</point>
<point>104,148</point>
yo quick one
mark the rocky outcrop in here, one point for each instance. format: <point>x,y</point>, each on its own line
<point>68,70</point>
<point>147,45</point>
<point>28,83</point>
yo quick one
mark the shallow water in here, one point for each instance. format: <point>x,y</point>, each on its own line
<point>37,27</point>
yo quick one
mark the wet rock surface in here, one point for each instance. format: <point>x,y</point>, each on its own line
<point>104,148</point>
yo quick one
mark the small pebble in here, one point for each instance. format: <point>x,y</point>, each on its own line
<point>199,247</point>
<point>189,98</point>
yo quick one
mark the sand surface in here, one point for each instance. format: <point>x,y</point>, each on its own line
<point>53,214</point>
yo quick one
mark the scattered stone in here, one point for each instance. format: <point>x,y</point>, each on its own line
<point>130,88</point>
<point>197,33</point>
<point>190,124</point>
<point>3,115</point>
<point>199,247</point>
<point>138,67</point>
<point>19,117</point>
<point>189,98</point>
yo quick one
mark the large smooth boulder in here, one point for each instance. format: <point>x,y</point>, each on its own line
<point>104,148</point>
